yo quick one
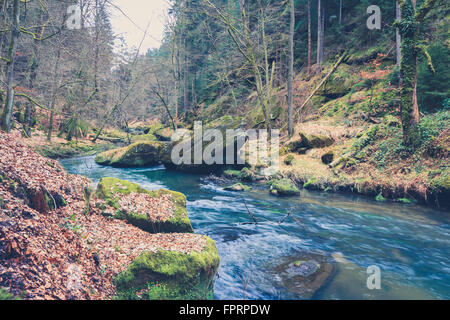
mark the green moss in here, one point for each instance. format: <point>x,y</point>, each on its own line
<point>405,201</point>
<point>246,175</point>
<point>238,187</point>
<point>380,198</point>
<point>311,184</point>
<point>108,187</point>
<point>163,134</point>
<point>5,295</point>
<point>232,174</point>
<point>180,275</point>
<point>283,188</point>
<point>288,160</point>
<point>143,153</point>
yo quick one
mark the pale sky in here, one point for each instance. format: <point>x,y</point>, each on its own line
<point>141,12</point>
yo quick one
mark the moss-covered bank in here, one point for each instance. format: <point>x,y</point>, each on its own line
<point>169,275</point>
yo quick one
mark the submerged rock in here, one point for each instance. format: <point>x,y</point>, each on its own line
<point>152,211</point>
<point>305,275</point>
<point>171,275</point>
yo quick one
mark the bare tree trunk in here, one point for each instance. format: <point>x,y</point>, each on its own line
<point>3,18</point>
<point>97,35</point>
<point>5,120</point>
<point>340,12</point>
<point>398,38</point>
<point>309,38</point>
<point>54,93</point>
<point>291,71</point>
<point>320,32</point>
<point>186,81</point>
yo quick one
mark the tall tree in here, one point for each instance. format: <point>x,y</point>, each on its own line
<point>320,31</point>
<point>410,31</point>
<point>309,37</point>
<point>5,120</point>
<point>398,38</point>
<point>291,70</point>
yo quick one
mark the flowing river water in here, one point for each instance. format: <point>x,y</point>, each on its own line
<point>409,243</point>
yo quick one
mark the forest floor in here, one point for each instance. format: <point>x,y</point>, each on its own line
<point>51,245</point>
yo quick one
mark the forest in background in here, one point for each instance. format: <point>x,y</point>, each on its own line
<point>382,94</point>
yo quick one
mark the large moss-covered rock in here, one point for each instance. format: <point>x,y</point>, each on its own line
<point>138,154</point>
<point>171,275</point>
<point>198,138</point>
<point>283,188</point>
<point>170,206</point>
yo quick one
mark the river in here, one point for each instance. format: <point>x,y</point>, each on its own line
<point>409,243</point>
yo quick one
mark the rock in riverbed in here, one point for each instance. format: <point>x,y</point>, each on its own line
<point>306,274</point>
<point>138,154</point>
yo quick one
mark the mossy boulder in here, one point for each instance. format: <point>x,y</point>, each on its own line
<point>177,275</point>
<point>283,188</point>
<point>238,187</point>
<point>144,153</point>
<point>173,219</point>
<point>247,175</point>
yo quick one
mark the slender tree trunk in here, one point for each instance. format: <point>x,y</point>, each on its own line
<point>320,32</point>
<point>97,49</point>
<point>398,38</point>
<point>5,120</point>
<point>3,18</point>
<point>186,81</point>
<point>291,71</point>
<point>340,12</point>
<point>408,71</point>
<point>54,93</point>
<point>309,38</point>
